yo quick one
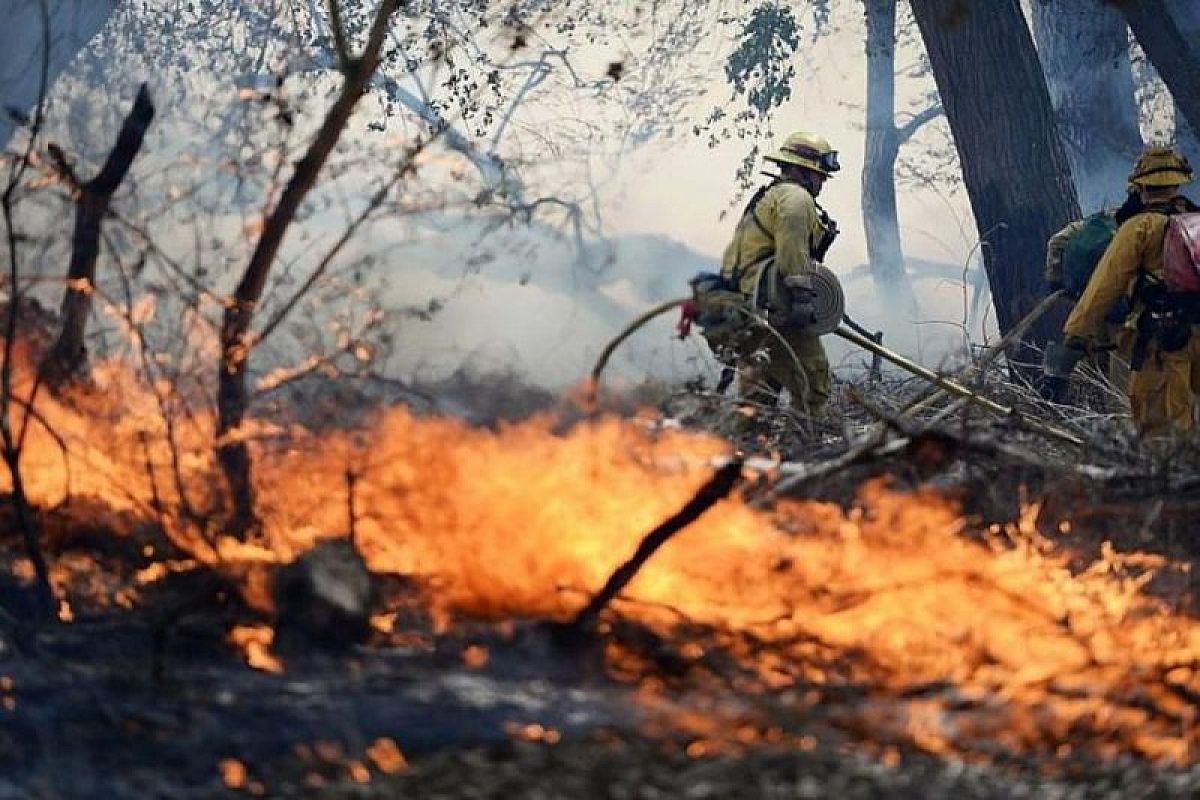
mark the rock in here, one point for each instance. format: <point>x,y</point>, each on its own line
<point>323,599</point>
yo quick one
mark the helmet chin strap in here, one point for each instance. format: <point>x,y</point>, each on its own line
<point>798,174</point>
<point>805,178</point>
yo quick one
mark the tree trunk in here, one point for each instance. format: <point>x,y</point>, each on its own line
<point>68,354</point>
<point>1084,51</point>
<point>1016,173</point>
<point>1165,44</point>
<point>71,25</point>
<point>233,399</point>
<point>1186,14</point>
<point>880,220</point>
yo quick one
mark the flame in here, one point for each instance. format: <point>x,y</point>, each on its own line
<point>527,521</point>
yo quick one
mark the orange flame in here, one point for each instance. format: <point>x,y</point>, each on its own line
<point>523,521</point>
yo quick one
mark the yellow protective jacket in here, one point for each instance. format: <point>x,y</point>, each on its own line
<point>785,223</point>
<point>1137,246</point>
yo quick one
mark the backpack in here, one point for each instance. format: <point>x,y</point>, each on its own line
<point>1084,250</point>
<point>1181,253</point>
<point>714,308</point>
<point>1173,303</point>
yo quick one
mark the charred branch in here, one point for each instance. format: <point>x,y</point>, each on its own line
<point>717,488</point>
<point>92,199</point>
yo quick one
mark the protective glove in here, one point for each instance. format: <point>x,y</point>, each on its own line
<point>1061,357</point>
<point>1081,343</point>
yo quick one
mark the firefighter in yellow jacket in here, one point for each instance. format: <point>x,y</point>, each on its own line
<point>779,239</point>
<point>1165,357</point>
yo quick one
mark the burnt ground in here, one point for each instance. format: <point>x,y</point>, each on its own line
<point>151,701</point>
<point>89,718</point>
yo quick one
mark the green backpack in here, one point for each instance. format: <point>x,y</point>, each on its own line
<point>1084,251</point>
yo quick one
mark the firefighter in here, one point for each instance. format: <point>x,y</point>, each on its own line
<point>1082,252</point>
<point>781,236</point>
<point>1072,255</point>
<point>1164,356</point>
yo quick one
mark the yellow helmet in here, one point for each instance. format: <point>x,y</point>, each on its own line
<point>1160,166</point>
<point>809,151</point>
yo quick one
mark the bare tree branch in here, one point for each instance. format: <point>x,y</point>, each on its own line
<point>30,528</point>
<point>232,395</point>
<point>67,354</point>
<point>907,130</point>
<point>339,37</point>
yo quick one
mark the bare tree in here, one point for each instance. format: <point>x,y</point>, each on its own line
<point>883,143</point>
<point>236,338</point>
<point>1015,170</point>
<point>92,199</point>
<point>1174,56</point>
<point>1187,17</point>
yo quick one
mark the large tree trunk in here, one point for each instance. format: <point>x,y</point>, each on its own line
<point>67,26</point>
<point>880,220</point>
<point>1084,50</point>
<point>1175,57</point>
<point>1016,173</point>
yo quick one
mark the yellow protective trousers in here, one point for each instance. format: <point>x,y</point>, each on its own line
<point>806,377</point>
<point>1162,394</point>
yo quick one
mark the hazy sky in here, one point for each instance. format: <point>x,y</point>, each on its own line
<point>680,190</point>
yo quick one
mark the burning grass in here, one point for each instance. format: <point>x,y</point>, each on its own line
<point>895,619</point>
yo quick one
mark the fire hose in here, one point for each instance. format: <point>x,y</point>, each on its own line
<point>869,344</point>
<point>956,388</point>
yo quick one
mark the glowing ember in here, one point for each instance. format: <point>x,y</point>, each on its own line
<point>386,756</point>
<point>533,732</point>
<point>233,773</point>
<point>7,701</point>
<point>255,642</point>
<point>358,772</point>
<point>475,657</point>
